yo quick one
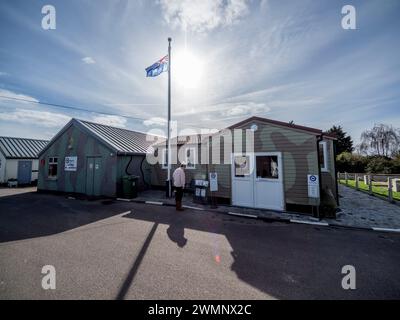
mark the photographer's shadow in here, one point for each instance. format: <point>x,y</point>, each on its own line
<point>176,233</point>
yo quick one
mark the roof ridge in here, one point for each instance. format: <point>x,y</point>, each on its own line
<point>8,137</point>
<point>123,129</point>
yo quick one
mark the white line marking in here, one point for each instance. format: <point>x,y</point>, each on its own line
<point>123,199</point>
<point>126,212</point>
<point>386,229</point>
<point>242,215</point>
<point>310,222</point>
<point>154,202</point>
<point>194,208</point>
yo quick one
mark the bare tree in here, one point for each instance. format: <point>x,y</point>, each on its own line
<point>381,140</point>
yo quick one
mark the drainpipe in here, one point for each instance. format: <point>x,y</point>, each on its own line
<point>335,168</point>
<point>319,139</point>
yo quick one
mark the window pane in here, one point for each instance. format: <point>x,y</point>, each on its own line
<point>267,167</point>
<point>242,166</point>
<point>55,160</point>
<point>52,170</point>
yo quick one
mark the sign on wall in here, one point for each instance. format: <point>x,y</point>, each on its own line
<point>213,176</point>
<point>313,185</point>
<point>71,163</point>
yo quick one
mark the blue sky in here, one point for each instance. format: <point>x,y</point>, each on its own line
<point>285,60</point>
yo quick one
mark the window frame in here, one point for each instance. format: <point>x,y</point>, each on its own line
<point>164,160</point>
<point>272,178</point>
<point>52,162</point>
<point>192,149</point>
<point>324,166</point>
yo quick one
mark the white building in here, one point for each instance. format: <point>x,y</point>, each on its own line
<point>19,159</point>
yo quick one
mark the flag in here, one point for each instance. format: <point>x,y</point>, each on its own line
<point>157,68</point>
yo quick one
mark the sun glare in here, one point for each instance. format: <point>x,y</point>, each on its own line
<point>187,69</point>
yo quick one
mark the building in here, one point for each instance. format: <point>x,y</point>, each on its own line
<point>91,159</point>
<point>274,175</point>
<point>19,159</point>
<point>259,163</point>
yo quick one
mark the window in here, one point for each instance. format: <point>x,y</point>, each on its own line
<point>267,167</point>
<point>323,155</point>
<point>190,158</point>
<point>242,166</point>
<point>164,163</point>
<point>53,164</point>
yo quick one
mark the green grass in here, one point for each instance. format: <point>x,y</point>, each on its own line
<point>376,189</point>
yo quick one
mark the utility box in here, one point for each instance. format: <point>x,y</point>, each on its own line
<point>396,185</point>
<point>367,179</point>
<point>200,191</point>
<point>130,186</point>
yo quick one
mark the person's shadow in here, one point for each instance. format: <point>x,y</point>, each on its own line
<point>176,232</point>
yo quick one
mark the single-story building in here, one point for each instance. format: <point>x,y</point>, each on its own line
<point>258,162</point>
<point>90,159</point>
<point>19,159</point>
<point>271,172</point>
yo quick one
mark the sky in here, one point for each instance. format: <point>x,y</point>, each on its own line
<point>231,59</point>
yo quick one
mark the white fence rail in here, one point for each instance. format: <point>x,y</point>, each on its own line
<point>383,185</point>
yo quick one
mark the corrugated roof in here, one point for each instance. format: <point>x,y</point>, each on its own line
<point>18,148</point>
<point>122,140</point>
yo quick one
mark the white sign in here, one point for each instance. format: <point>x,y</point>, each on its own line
<point>313,186</point>
<point>71,163</point>
<point>213,176</point>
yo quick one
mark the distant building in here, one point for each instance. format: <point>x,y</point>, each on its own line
<point>19,159</point>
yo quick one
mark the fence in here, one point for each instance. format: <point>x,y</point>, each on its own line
<point>382,185</point>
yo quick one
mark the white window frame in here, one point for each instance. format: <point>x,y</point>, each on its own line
<point>164,162</point>
<point>324,166</point>
<point>53,163</point>
<point>192,149</point>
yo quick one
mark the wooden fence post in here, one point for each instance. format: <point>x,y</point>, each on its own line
<point>370,184</point>
<point>356,180</point>
<point>346,178</point>
<point>390,192</point>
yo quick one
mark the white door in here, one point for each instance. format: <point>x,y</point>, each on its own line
<point>268,182</point>
<point>257,180</point>
<point>242,180</point>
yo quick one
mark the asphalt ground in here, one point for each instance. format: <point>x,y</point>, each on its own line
<point>118,250</point>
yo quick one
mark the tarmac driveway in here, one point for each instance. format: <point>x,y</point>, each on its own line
<point>117,250</point>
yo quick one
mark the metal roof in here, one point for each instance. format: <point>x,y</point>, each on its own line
<point>21,148</point>
<point>122,140</point>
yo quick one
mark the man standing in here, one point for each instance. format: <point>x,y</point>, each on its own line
<point>179,184</point>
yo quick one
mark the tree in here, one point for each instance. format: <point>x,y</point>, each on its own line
<point>344,142</point>
<point>381,140</point>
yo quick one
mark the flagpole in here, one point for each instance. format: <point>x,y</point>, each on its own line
<point>169,119</point>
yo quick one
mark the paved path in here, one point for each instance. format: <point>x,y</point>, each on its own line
<point>363,210</point>
<point>104,250</point>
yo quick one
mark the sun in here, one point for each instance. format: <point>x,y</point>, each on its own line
<point>187,69</point>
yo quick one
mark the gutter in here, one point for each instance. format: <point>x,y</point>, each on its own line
<point>335,168</point>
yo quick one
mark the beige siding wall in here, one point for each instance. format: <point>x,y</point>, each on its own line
<point>299,156</point>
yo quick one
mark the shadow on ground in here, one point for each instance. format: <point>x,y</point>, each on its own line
<point>290,261</point>
<point>31,215</point>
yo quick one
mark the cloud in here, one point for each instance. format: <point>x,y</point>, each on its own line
<point>3,73</point>
<point>5,94</point>
<point>155,121</point>
<point>110,120</point>
<point>35,117</point>
<point>243,109</point>
<point>88,60</point>
<point>203,15</point>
